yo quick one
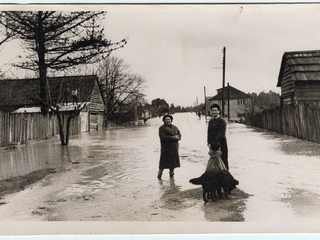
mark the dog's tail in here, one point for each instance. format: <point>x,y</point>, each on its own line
<point>196,181</point>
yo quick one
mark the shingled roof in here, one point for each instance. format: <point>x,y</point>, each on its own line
<point>233,94</point>
<point>24,92</point>
<point>303,65</point>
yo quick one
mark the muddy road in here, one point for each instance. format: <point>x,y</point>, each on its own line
<point>111,176</point>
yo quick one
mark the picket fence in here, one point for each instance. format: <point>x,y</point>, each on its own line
<point>18,128</point>
<point>300,121</point>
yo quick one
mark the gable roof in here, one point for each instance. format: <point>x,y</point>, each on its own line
<point>233,94</point>
<point>303,65</point>
<point>23,92</point>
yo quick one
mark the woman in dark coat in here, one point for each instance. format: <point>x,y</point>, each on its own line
<point>217,133</point>
<point>169,139</point>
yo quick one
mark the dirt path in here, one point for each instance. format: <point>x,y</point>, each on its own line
<point>44,196</point>
<point>110,177</point>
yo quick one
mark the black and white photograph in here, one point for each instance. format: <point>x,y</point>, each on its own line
<point>159,118</point>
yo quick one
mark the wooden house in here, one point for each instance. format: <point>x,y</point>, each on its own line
<point>299,77</point>
<point>233,98</point>
<point>21,95</point>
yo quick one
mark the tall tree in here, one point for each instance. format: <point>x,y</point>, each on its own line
<point>161,106</point>
<point>118,85</point>
<point>261,102</point>
<point>268,100</point>
<point>57,40</point>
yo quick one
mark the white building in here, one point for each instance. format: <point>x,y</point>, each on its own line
<point>236,99</point>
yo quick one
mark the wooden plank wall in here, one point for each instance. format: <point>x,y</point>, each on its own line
<point>18,128</point>
<point>299,121</point>
<point>287,83</point>
<point>308,92</point>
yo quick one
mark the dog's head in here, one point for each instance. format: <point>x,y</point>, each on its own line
<point>236,182</point>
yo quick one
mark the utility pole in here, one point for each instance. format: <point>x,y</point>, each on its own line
<point>228,102</point>
<point>223,78</point>
<point>205,103</point>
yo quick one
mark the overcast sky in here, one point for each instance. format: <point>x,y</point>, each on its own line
<point>178,48</point>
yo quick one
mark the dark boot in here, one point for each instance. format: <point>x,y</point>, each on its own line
<point>171,173</point>
<point>160,173</point>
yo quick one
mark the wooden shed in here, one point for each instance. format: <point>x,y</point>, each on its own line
<point>299,77</point>
<point>22,93</point>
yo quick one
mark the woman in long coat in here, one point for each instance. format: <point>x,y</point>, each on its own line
<point>169,138</point>
<point>217,133</point>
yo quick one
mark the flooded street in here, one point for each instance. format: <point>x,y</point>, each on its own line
<point>280,171</point>
<point>112,175</point>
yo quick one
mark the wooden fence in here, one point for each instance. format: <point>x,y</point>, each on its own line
<point>300,121</point>
<point>18,128</point>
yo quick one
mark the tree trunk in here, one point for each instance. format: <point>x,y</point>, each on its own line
<point>40,44</point>
<point>64,126</point>
<point>68,128</point>
<point>61,128</point>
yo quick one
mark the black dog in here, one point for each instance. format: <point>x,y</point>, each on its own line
<point>209,182</point>
<point>213,181</point>
<point>226,182</point>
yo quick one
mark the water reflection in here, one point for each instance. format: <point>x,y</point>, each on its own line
<point>25,159</point>
<point>35,156</point>
<point>283,143</point>
<point>300,148</point>
<point>169,187</point>
<point>305,204</point>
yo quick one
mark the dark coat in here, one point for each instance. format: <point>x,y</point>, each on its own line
<point>169,157</point>
<point>217,133</point>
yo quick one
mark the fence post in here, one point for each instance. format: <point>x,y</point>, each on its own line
<point>24,128</point>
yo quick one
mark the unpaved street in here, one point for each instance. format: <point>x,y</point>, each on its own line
<point>111,176</point>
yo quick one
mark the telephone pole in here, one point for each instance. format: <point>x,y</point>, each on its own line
<point>228,102</point>
<point>205,103</point>
<point>223,77</point>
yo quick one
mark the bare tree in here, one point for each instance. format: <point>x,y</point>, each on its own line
<point>250,106</point>
<point>118,85</point>
<point>57,40</point>
<point>5,36</point>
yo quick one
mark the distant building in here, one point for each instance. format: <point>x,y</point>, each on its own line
<point>299,77</point>
<point>20,95</point>
<point>238,102</point>
<point>146,114</point>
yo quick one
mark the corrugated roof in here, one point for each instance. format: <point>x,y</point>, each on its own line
<point>23,92</point>
<point>304,66</point>
<point>233,94</point>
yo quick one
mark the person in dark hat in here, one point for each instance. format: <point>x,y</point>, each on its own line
<point>217,132</point>
<point>169,138</point>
